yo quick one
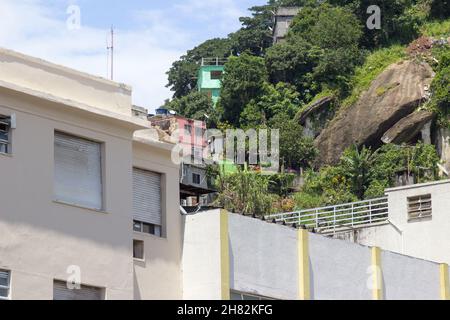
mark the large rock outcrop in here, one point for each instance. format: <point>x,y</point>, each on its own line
<point>408,128</point>
<point>393,95</point>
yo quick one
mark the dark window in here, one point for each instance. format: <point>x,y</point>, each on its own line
<point>187,129</point>
<point>5,127</point>
<point>138,249</point>
<point>216,75</point>
<point>196,178</point>
<point>147,228</point>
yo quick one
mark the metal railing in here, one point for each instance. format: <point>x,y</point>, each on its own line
<point>337,218</point>
<point>213,61</point>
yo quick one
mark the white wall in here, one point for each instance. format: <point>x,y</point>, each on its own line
<point>264,261</point>
<point>202,257</point>
<point>407,278</point>
<point>263,258</point>
<point>339,269</point>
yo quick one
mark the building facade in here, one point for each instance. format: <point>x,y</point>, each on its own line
<point>210,77</point>
<point>69,211</point>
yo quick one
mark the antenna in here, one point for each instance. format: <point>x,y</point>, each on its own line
<point>111,48</point>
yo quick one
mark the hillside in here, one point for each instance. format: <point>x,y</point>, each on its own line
<point>356,108</point>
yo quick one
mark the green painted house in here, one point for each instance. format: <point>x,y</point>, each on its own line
<point>210,77</point>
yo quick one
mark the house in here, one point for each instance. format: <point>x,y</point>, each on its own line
<point>210,76</point>
<point>283,18</point>
<point>190,136</point>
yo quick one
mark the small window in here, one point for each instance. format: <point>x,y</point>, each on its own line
<point>419,207</point>
<point>216,75</point>
<point>196,178</point>
<point>5,134</point>
<point>199,132</point>
<point>187,129</point>
<point>61,291</point>
<point>78,171</point>
<point>147,202</point>
<point>138,249</point>
<point>147,228</point>
<point>5,280</point>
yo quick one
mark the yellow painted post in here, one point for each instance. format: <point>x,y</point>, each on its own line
<point>444,281</point>
<point>377,289</point>
<point>304,280</point>
<point>224,256</point>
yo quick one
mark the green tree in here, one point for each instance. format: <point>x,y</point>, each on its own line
<point>243,81</point>
<point>335,33</point>
<point>182,76</point>
<point>281,98</point>
<point>357,166</point>
<point>399,20</point>
<point>294,62</point>
<point>195,105</point>
<point>295,150</point>
<point>245,192</point>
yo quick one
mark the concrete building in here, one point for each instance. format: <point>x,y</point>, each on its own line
<point>70,154</point>
<point>283,18</point>
<point>417,224</point>
<point>190,136</point>
<point>210,76</point>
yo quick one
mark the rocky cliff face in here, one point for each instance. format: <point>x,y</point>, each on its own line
<point>393,95</point>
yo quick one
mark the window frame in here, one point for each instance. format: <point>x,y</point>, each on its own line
<point>419,207</point>
<point>5,120</point>
<point>101,290</point>
<point>199,178</point>
<point>216,75</point>
<point>163,203</point>
<point>8,287</point>
<point>101,145</point>
<point>143,224</point>
<point>141,242</point>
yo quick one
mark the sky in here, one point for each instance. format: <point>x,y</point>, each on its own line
<point>149,35</point>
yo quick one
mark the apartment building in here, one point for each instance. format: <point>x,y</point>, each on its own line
<point>84,189</point>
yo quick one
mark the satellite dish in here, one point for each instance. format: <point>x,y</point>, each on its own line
<point>172,112</point>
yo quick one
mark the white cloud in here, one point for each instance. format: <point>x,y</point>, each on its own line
<point>142,55</point>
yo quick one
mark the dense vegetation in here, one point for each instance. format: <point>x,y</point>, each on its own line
<point>328,50</point>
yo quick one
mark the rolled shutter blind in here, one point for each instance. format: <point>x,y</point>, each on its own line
<point>4,278</point>
<point>147,196</point>
<point>61,292</point>
<point>78,178</point>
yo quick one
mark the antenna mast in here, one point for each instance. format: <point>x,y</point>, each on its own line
<point>112,52</point>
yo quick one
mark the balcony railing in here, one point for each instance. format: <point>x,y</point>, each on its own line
<point>339,217</point>
<point>213,61</point>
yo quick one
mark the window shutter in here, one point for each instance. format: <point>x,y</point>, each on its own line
<point>147,196</point>
<point>61,292</point>
<point>78,172</point>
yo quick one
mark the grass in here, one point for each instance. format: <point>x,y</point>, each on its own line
<point>439,28</point>
<point>375,64</point>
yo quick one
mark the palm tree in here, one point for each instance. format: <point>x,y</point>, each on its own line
<point>357,165</point>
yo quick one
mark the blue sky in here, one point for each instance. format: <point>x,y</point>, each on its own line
<point>151,34</point>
